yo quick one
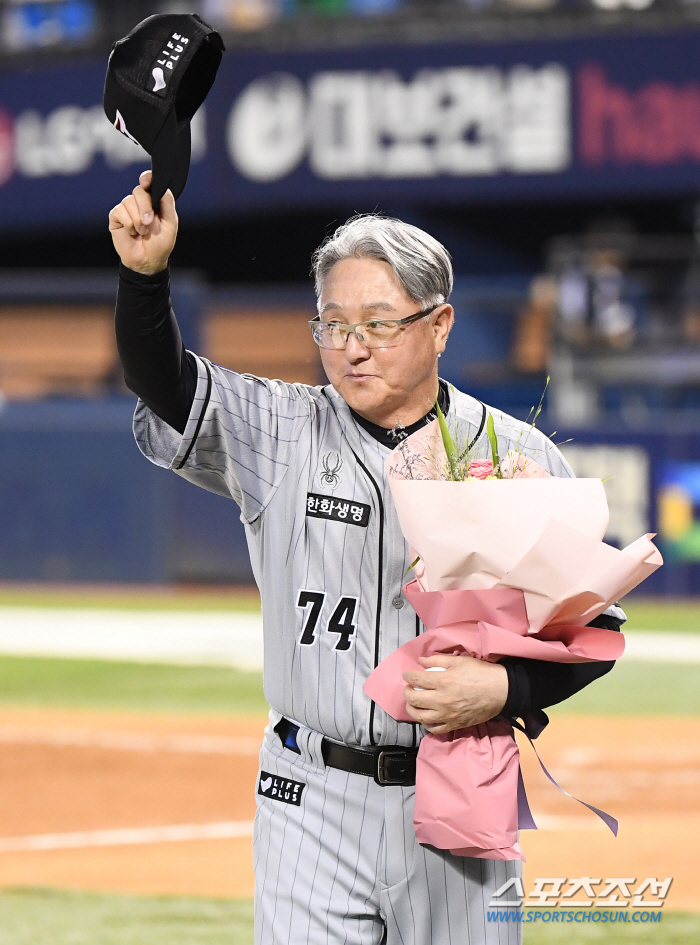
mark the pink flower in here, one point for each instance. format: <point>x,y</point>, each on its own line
<point>480,468</point>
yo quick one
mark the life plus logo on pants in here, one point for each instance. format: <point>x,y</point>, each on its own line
<point>280,789</point>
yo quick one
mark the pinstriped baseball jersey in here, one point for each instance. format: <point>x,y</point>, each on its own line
<point>324,539</point>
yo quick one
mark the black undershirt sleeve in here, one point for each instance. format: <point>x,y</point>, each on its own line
<point>156,366</point>
<point>536,684</point>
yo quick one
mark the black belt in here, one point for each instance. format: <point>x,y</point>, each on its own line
<point>387,764</point>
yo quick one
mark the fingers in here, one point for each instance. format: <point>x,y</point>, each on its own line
<point>421,678</point>
<point>422,709</point>
<point>440,729</point>
<point>131,207</point>
<point>427,718</point>
<point>418,713</point>
<point>167,211</point>
<point>139,207</point>
<point>419,699</point>
<point>119,218</point>
<point>143,204</point>
<point>437,721</point>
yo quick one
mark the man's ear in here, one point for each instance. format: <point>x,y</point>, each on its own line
<point>444,320</point>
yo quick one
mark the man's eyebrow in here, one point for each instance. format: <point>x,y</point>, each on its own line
<point>368,306</point>
<point>381,306</point>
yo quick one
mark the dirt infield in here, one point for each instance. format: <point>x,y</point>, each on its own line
<point>645,772</point>
<point>68,778</point>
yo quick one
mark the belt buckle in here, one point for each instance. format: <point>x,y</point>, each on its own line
<point>379,775</point>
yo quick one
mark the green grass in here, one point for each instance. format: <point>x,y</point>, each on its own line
<point>149,687</point>
<point>637,688</point>
<point>675,928</point>
<point>41,916</point>
<point>48,917</point>
<point>631,688</point>
<point>141,598</point>
<point>655,613</point>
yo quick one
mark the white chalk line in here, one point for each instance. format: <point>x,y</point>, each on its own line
<point>556,822</point>
<point>222,830</point>
<point>129,836</point>
<point>662,646</point>
<point>213,638</point>
<point>130,741</point>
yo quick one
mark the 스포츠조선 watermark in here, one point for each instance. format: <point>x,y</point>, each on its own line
<point>556,899</point>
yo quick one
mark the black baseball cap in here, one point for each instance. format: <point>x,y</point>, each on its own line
<point>157,77</point>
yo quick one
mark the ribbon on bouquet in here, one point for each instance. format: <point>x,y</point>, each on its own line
<point>525,819</point>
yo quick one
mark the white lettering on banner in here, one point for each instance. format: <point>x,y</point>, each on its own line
<point>68,140</point>
<point>538,118</point>
<point>460,122</point>
<point>340,125</point>
<point>468,108</point>
<point>266,128</point>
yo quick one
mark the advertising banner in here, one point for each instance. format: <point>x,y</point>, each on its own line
<point>543,120</point>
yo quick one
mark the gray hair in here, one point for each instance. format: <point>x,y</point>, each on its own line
<point>422,264</point>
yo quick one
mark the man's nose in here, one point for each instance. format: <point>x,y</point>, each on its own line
<point>355,350</point>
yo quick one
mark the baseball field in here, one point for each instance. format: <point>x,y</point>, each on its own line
<point>127,788</point>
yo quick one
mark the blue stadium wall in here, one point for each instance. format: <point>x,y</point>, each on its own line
<point>78,502</point>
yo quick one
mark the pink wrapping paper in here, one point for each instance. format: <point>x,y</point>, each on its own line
<point>509,567</point>
<point>467,790</point>
<point>467,781</point>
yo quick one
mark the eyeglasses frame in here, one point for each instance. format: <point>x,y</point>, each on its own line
<point>400,322</point>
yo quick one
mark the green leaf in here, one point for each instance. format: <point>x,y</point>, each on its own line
<point>491,432</point>
<point>411,565</point>
<point>449,445</point>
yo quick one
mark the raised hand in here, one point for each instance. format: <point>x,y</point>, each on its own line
<point>143,239</point>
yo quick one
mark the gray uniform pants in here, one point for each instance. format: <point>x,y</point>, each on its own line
<point>343,867</point>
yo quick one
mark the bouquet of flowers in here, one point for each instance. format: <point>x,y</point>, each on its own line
<point>509,561</point>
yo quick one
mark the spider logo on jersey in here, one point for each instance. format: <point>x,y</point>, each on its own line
<point>331,472</point>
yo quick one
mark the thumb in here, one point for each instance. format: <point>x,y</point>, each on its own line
<point>167,211</point>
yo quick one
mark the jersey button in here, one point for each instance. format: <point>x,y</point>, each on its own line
<point>397,602</point>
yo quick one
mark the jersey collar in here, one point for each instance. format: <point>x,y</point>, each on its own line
<point>394,436</point>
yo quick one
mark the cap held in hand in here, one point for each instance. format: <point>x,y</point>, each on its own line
<point>157,77</point>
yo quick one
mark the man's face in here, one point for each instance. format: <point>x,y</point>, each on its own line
<point>382,384</point>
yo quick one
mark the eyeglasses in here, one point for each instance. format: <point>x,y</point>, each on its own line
<point>375,333</point>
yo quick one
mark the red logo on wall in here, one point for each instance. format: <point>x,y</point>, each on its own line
<point>7,146</point>
<point>658,124</point>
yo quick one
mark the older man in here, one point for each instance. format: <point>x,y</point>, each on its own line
<point>336,857</point>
